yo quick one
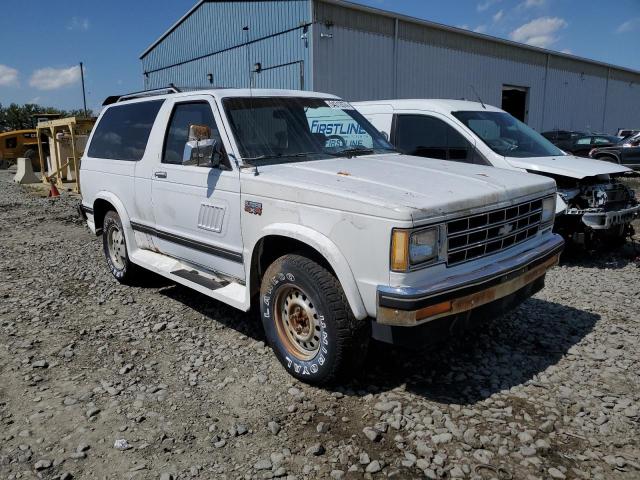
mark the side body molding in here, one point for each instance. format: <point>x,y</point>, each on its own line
<point>329,251</point>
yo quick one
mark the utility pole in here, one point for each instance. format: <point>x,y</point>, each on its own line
<point>84,96</point>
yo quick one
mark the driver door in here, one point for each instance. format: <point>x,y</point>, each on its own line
<point>196,192</point>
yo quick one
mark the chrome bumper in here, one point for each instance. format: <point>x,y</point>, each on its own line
<point>606,220</point>
<point>411,306</point>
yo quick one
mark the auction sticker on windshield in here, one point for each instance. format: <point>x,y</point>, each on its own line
<point>339,104</point>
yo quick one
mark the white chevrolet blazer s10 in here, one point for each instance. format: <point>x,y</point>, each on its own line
<point>592,207</point>
<point>293,203</point>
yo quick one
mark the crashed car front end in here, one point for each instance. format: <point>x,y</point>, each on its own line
<point>598,208</point>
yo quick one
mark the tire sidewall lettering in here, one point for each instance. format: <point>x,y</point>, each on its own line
<point>296,366</point>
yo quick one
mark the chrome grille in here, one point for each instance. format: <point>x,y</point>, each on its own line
<point>487,233</point>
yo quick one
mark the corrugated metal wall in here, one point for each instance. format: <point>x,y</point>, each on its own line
<point>361,55</point>
<point>212,40</point>
<point>623,101</point>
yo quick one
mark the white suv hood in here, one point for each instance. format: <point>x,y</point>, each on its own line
<point>395,186</point>
<point>568,166</point>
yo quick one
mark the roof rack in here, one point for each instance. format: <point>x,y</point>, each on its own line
<point>144,93</point>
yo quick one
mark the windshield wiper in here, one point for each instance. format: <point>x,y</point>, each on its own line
<point>351,152</point>
<point>277,156</point>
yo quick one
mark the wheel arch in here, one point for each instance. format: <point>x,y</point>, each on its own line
<point>605,156</point>
<point>281,239</point>
<point>105,201</point>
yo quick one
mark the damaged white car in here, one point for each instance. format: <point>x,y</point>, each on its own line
<point>592,205</point>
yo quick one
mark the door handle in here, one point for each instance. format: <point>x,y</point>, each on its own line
<point>160,174</point>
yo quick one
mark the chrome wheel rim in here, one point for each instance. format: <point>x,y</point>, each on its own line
<point>117,249</point>
<point>297,322</point>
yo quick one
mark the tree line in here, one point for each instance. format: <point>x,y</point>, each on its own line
<point>20,117</point>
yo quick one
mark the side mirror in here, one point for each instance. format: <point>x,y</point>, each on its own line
<point>201,149</point>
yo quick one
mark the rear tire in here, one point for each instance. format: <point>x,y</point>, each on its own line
<point>115,250</point>
<point>308,322</point>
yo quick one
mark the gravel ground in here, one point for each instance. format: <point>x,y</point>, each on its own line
<point>99,380</point>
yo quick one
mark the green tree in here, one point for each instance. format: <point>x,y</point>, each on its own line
<point>19,117</point>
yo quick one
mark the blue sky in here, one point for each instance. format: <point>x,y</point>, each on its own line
<point>43,41</point>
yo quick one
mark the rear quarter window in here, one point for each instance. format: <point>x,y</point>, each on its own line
<point>123,131</point>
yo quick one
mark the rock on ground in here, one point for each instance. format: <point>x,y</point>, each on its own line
<point>550,391</point>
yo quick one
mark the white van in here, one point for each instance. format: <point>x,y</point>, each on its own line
<point>591,204</point>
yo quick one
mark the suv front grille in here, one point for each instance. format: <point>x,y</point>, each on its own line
<point>491,232</point>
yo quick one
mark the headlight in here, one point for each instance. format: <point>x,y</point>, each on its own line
<point>413,248</point>
<point>548,209</point>
<point>423,246</point>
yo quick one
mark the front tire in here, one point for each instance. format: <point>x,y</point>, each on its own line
<point>115,250</point>
<point>308,321</point>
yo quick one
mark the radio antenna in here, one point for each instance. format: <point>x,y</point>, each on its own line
<point>250,77</point>
<point>479,99</point>
<point>246,44</point>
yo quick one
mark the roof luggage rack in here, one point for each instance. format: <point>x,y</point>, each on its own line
<point>144,93</point>
<point>156,91</point>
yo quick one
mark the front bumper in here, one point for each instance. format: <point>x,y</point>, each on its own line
<point>411,306</point>
<point>607,220</point>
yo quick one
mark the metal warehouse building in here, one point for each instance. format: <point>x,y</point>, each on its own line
<point>361,53</point>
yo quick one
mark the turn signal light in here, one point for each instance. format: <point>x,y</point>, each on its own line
<point>400,250</point>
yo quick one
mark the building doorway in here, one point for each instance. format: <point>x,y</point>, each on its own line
<point>515,101</point>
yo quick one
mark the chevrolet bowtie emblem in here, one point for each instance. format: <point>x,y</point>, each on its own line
<point>505,229</point>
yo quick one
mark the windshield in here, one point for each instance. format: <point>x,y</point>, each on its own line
<point>630,138</point>
<point>507,136</point>
<point>289,129</point>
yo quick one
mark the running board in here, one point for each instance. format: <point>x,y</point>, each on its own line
<point>194,276</point>
<point>231,293</point>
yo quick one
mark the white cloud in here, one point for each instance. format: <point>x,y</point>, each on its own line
<point>8,76</point>
<point>498,16</point>
<point>34,100</point>
<point>54,78</point>
<point>78,23</point>
<point>541,32</point>
<point>533,3</point>
<point>568,51</point>
<point>629,25</point>
<point>481,7</point>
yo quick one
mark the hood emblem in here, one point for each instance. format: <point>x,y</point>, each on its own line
<point>505,229</point>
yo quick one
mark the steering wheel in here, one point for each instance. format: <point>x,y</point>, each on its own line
<point>335,141</point>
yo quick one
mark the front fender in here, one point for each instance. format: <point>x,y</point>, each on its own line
<point>330,252</point>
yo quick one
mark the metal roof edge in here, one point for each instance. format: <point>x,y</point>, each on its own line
<point>171,29</point>
<point>462,31</point>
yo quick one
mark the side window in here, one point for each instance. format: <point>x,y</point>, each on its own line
<point>584,141</point>
<point>11,142</point>
<point>186,118</point>
<point>460,149</point>
<point>421,135</point>
<point>123,131</point>
<point>427,136</point>
<point>601,140</point>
